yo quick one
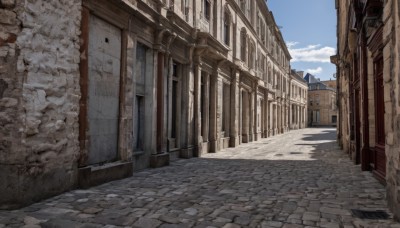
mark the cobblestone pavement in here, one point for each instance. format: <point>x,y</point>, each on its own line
<point>299,179</point>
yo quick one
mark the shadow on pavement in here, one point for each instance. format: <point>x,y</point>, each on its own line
<point>203,192</point>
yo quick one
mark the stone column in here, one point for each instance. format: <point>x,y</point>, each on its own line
<point>188,128</point>
<point>235,99</point>
<point>160,104</point>
<point>278,123</point>
<point>206,109</point>
<point>301,117</point>
<point>276,119</point>
<point>159,156</point>
<point>240,115</point>
<point>266,114</point>
<point>285,117</point>
<point>271,119</point>
<point>291,121</point>
<point>255,112</point>
<point>245,117</point>
<point>198,140</point>
<point>251,116</point>
<point>298,116</point>
<point>213,140</point>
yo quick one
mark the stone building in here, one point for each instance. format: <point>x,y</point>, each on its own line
<point>298,100</point>
<point>368,68</point>
<point>91,91</point>
<point>322,106</point>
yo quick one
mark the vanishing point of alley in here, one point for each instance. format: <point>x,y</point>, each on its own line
<point>300,179</point>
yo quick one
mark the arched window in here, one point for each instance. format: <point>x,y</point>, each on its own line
<point>243,44</point>
<point>227,27</point>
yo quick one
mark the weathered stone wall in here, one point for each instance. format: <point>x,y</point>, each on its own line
<point>39,98</point>
<point>344,104</point>
<point>344,75</point>
<point>391,54</point>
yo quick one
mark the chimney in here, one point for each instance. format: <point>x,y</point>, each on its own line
<point>301,73</point>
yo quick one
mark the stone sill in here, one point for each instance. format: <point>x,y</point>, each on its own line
<point>95,175</point>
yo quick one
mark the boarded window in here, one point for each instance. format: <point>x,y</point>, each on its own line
<point>140,64</point>
<point>139,103</point>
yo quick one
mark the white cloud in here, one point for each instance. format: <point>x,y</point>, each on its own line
<point>291,44</point>
<point>311,53</point>
<point>315,71</point>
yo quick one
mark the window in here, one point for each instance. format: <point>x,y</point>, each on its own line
<point>263,64</point>
<point>316,116</point>
<point>269,73</point>
<point>185,8</point>
<point>334,119</point>
<point>207,9</point>
<point>317,99</point>
<point>243,5</point>
<point>227,27</point>
<point>278,82</point>
<point>252,55</point>
<point>243,45</point>
<point>283,84</point>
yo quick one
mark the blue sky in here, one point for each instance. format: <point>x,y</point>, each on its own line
<point>309,29</point>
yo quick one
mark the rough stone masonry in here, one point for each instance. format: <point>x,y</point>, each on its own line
<point>39,97</point>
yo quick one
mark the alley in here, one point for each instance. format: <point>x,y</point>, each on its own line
<point>299,179</point>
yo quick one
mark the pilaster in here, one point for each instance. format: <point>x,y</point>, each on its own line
<point>235,99</point>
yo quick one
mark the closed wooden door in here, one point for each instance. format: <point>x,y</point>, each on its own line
<point>357,120</point>
<point>379,156</point>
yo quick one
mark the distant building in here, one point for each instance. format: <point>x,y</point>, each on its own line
<point>322,109</point>
<point>298,100</point>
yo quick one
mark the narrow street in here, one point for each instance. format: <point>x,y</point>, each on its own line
<point>299,179</point>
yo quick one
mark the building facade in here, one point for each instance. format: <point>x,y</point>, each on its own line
<point>91,91</point>
<point>298,100</point>
<point>368,65</point>
<point>322,105</point>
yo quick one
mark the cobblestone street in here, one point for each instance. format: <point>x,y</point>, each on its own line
<point>299,179</point>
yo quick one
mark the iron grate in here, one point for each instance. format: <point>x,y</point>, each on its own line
<point>363,214</point>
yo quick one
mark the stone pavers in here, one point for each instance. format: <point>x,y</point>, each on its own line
<point>299,179</point>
